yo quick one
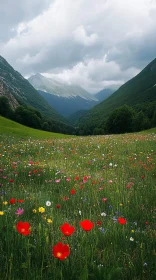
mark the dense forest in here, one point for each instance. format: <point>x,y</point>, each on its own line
<point>31,117</point>
<point>121,120</point>
<point>124,119</point>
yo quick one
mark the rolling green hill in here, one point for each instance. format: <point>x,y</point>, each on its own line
<point>140,89</point>
<point>14,83</point>
<point>9,127</point>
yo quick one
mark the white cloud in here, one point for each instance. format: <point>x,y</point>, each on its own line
<point>81,36</point>
<point>94,74</point>
<point>94,43</point>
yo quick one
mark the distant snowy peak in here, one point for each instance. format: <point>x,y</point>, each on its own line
<point>61,89</point>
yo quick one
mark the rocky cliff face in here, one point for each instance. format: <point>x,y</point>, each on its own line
<point>5,92</point>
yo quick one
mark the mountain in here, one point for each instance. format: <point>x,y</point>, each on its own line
<point>66,99</point>
<point>73,119</point>
<point>140,89</point>
<point>59,88</point>
<point>14,86</point>
<point>4,91</point>
<point>104,94</point>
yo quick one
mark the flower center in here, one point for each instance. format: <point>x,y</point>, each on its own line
<point>59,254</point>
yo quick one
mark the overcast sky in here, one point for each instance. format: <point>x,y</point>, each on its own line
<point>93,43</point>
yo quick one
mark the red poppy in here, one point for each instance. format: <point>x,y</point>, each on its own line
<point>12,201</point>
<point>67,229</point>
<point>11,180</point>
<point>20,200</point>
<point>61,251</point>
<point>58,206</point>
<point>72,191</point>
<point>76,178</point>
<point>122,221</point>
<point>87,225</point>
<point>98,223</point>
<point>23,228</point>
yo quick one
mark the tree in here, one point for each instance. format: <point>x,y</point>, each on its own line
<point>120,120</point>
<point>141,122</point>
<point>5,108</point>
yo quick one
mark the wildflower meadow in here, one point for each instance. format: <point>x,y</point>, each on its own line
<point>78,208</point>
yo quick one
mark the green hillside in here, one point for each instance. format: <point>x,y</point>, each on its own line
<point>24,92</point>
<point>9,127</point>
<point>140,89</point>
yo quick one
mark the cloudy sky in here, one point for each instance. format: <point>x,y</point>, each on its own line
<point>95,44</point>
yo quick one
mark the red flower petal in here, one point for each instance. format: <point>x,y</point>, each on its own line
<point>67,229</point>
<point>86,225</point>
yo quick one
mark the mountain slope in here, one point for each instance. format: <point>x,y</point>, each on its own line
<point>23,91</point>
<point>137,90</point>
<point>76,116</point>
<point>5,92</point>
<point>67,106</point>
<point>104,94</point>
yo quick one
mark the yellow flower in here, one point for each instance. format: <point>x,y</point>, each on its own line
<point>132,230</point>
<point>34,210</point>
<point>5,202</point>
<point>1,213</point>
<point>121,204</point>
<point>49,221</point>
<point>41,209</point>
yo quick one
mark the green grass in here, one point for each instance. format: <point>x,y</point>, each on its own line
<point>13,128</point>
<point>119,168</point>
<point>152,130</point>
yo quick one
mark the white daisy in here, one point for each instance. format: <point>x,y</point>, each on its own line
<point>48,203</point>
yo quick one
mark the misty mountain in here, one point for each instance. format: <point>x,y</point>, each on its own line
<point>20,92</point>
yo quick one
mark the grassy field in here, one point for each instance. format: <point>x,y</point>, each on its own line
<point>107,180</point>
<point>9,127</point>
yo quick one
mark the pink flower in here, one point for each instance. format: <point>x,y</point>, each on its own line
<point>19,211</point>
<point>65,198</point>
<point>68,179</point>
<point>104,199</point>
<point>57,181</point>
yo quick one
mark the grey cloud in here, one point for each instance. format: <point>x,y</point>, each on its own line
<point>12,12</point>
<point>135,51</point>
<point>72,37</point>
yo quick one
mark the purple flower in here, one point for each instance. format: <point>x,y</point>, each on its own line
<point>19,211</point>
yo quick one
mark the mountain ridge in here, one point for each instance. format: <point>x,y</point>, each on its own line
<point>61,89</point>
<point>135,91</point>
<point>24,92</point>
<point>66,99</point>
